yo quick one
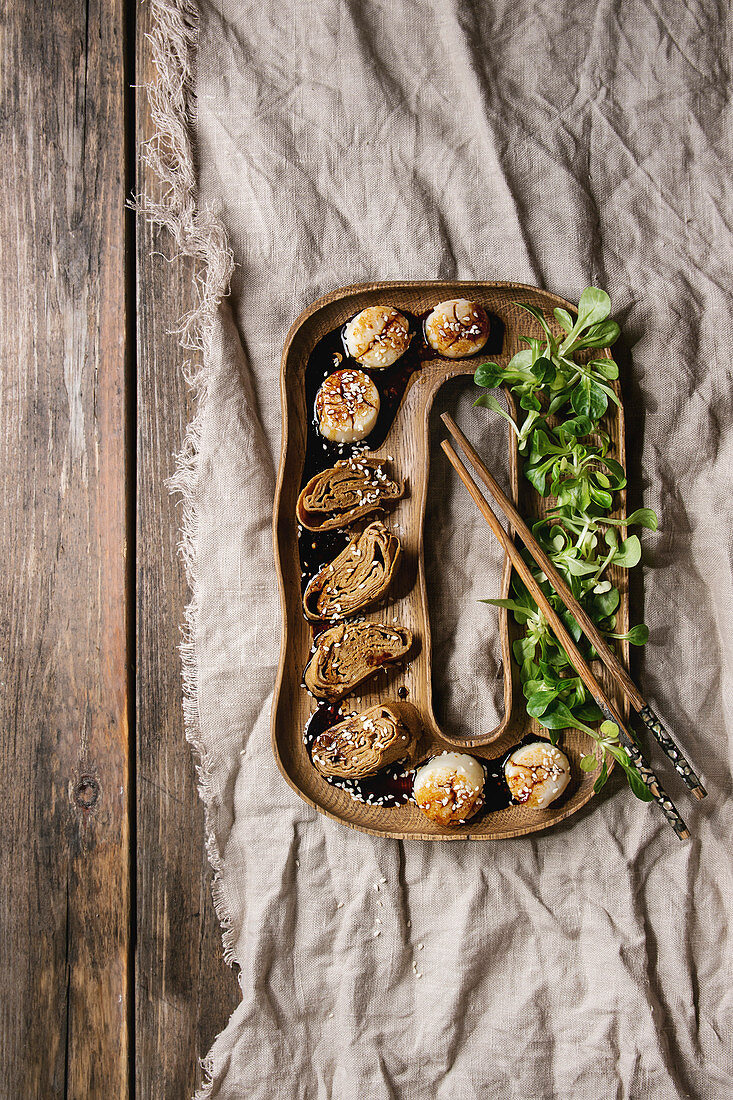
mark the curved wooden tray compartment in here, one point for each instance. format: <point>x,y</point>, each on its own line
<point>408,444</point>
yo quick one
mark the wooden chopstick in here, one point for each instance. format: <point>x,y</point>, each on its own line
<point>608,709</point>
<point>608,657</point>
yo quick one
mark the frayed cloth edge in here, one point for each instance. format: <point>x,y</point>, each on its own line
<point>196,233</point>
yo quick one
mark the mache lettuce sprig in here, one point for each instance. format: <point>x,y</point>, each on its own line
<point>566,457</point>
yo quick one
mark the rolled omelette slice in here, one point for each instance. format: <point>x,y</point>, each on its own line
<point>359,576</point>
<point>355,487</point>
<point>347,654</point>
<point>367,742</point>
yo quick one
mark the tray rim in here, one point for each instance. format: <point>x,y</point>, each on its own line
<point>319,304</point>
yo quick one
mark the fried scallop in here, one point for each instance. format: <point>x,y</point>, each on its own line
<point>347,406</point>
<point>449,789</point>
<point>457,328</point>
<point>537,774</point>
<point>377,336</point>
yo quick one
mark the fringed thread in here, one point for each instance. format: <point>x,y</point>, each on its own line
<point>196,233</point>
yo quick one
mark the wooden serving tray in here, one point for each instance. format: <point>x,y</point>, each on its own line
<point>408,444</point>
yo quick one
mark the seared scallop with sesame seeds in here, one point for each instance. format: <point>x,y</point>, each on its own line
<point>457,328</point>
<point>347,406</point>
<point>537,774</point>
<point>449,789</point>
<point>377,336</point>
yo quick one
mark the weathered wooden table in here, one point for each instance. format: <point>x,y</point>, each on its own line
<point>112,981</point>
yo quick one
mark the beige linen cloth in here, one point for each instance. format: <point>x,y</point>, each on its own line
<point>559,144</point>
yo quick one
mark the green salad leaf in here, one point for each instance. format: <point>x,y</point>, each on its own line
<point>562,400</point>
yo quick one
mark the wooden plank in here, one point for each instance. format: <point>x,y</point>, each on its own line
<point>64,861</point>
<point>184,991</point>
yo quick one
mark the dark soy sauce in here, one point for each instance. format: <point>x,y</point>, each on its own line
<point>317,548</point>
<point>330,354</point>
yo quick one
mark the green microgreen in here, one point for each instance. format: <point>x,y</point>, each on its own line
<point>560,407</point>
<point>607,739</point>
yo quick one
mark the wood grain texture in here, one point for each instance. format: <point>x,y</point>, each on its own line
<point>65,858</point>
<point>406,447</point>
<point>184,990</point>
